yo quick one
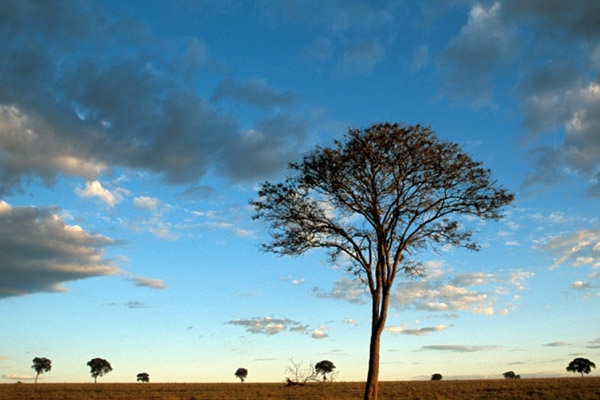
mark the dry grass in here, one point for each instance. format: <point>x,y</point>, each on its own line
<point>547,389</point>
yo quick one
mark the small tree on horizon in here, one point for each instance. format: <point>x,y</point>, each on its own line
<point>143,377</point>
<point>324,367</point>
<point>99,367</point>
<point>509,375</point>
<point>41,365</point>
<point>378,197</point>
<point>581,365</point>
<point>241,374</point>
<point>436,377</point>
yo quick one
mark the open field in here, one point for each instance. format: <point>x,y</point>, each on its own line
<point>548,389</point>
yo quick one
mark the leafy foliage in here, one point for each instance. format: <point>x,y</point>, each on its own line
<point>99,367</point>
<point>41,365</point>
<point>324,367</point>
<point>581,365</point>
<point>436,377</point>
<point>241,374</point>
<point>143,377</point>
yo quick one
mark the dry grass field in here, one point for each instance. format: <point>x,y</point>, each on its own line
<point>547,389</point>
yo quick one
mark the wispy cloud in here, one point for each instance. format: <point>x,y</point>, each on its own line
<point>350,290</point>
<point>458,348</point>
<point>577,249</point>
<point>254,92</point>
<point>273,326</point>
<point>477,292</point>
<point>557,344</point>
<point>269,325</point>
<point>145,282</point>
<point>18,377</point>
<point>397,330</point>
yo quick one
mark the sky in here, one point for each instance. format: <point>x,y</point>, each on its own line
<point>134,134</point>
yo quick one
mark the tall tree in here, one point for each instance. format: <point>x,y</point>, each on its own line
<point>581,365</point>
<point>99,367</point>
<point>378,197</point>
<point>41,365</point>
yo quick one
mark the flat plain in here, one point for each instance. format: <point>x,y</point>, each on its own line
<point>587,388</point>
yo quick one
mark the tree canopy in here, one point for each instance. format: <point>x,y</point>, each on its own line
<point>99,367</point>
<point>241,374</point>
<point>41,365</point>
<point>379,197</point>
<point>324,367</point>
<point>436,377</point>
<point>581,365</point>
<point>143,377</point>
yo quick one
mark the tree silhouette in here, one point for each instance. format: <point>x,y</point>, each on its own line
<point>378,197</point>
<point>241,374</point>
<point>581,365</point>
<point>143,377</point>
<point>436,377</point>
<point>324,367</point>
<point>99,367</point>
<point>41,365</point>
<point>509,375</point>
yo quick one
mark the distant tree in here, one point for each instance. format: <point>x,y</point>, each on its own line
<point>436,377</point>
<point>41,365</point>
<point>99,367</point>
<point>241,374</point>
<point>143,377</point>
<point>324,367</point>
<point>581,365</point>
<point>378,197</point>
<point>509,375</point>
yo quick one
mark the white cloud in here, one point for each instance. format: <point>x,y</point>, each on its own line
<point>146,282</point>
<point>94,189</point>
<point>477,292</point>
<point>349,321</point>
<point>576,248</point>
<point>146,203</point>
<point>415,331</point>
<point>269,325</point>
<point>319,333</point>
<point>580,285</point>
<point>18,377</point>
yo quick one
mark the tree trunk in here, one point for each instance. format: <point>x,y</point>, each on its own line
<point>38,374</point>
<point>95,379</point>
<point>373,375</point>
<point>377,324</point>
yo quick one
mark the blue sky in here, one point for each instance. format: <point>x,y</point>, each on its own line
<point>134,134</point>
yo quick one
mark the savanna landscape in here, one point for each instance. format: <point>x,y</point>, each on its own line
<point>544,388</point>
<point>407,188</point>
